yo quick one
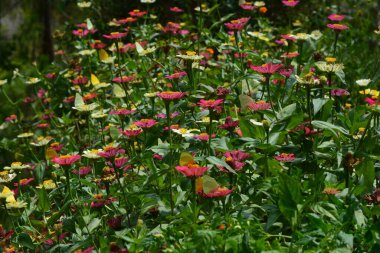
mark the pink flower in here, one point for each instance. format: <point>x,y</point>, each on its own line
<point>120,161</point>
<point>371,101</point>
<point>122,111</point>
<point>336,17</point>
<point>97,45</point>
<point>12,117</point>
<point>284,157</point>
<point>289,37</point>
<point>170,95</point>
<point>237,24</point>
<point>115,35</point>
<point>176,75</point>
<point>66,159</point>
<point>24,181</point>
<point>247,6</point>
<point>80,80</point>
<point>109,152</point>
<point>286,72</point>
<point>290,55</point>
<point>132,132</point>
<point>211,103</point>
<point>163,115</point>
<point>339,92</point>
<point>338,27</point>
<point>268,68</point>
<point>219,192</point>
<point>123,79</point>
<point>175,9</point>
<point>192,170</point>
<point>146,123</point>
<point>259,105</point>
<point>80,32</point>
<point>235,159</point>
<point>290,3</point>
<point>204,136</point>
<point>85,170</point>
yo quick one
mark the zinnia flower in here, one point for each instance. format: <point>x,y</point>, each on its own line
<point>192,170</point>
<point>218,192</point>
<point>267,68</point>
<point>237,24</point>
<point>211,103</point>
<point>146,123</point>
<point>259,105</point>
<point>290,3</point>
<point>170,95</point>
<point>336,17</point>
<point>284,157</point>
<point>338,27</point>
<point>115,35</point>
<point>123,79</point>
<point>66,159</point>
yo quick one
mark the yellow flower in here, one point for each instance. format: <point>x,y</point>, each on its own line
<point>6,177</point>
<point>17,166</point>
<point>48,185</point>
<point>6,193</point>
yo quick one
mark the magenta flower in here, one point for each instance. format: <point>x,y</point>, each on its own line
<point>237,24</point>
<point>120,161</point>
<point>247,6</point>
<point>284,157</point>
<point>121,111</point>
<point>115,35</point>
<point>339,92</point>
<point>286,72</point>
<point>146,123</point>
<point>80,80</point>
<point>83,171</point>
<point>229,124</point>
<point>290,3</point>
<point>66,159</point>
<point>267,68</point>
<point>176,75</point>
<point>371,101</point>
<point>336,17</point>
<point>192,170</point>
<point>109,152</point>
<point>235,159</point>
<point>175,9</point>
<point>204,136</point>
<point>123,79</point>
<point>131,132</point>
<point>80,32</point>
<point>338,27</point>
<point>259,106</point>
<point>137,13</point>
<point>12,117</point>
<point>219,192</point>
<point>170,95</point>
<point>126,20</point>
<point>211,103</point>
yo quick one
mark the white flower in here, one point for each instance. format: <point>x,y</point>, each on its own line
<point>41,141</point>
<point>33,80</point>
<point>25,135</point>
<point>17,166</point>
<point>329,67</point>
<point>186,133</point>
<point>87,52</point>
<point>2,82</point>
<point>92,153</point>
<point>316,35</point>
<point>259,3</point>
<point>84,4</point>
<point>86,108</point>
<point>147,1</point>
<point>363,82</point>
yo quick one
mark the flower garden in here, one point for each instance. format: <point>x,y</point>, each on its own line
<point>203,126</point>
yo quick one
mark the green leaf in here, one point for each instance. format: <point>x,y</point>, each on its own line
<point>93,224</point>
<point>287,111</point>
<point>366,173</point>
<point>318,103</point>
<point>216,161</point>
<point>114,132</point>
<point>330,127</point>
<point>24,240</point>
<point>43,203</point>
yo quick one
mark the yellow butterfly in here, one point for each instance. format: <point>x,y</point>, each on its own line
<point>209,184</point>
<point>50,153</point>
<point>94,80</point>
<point>185,159</point>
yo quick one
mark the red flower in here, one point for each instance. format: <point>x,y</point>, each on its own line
<point>192,170</point>
<point>80,80</point>
<point>115,35</point>
<point>171,95</point>
<point>284,157</point>
<point>290,3</point>
<point>204,136</point>
<point>98,44</point>
<point>24,181</point>
<point>268,68</point>
<point>132,132</point>
<point>126,20</point>
<point>336,17</point>
<point>66,159</point>
<point>338,27</point>
<point>137,13</point>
